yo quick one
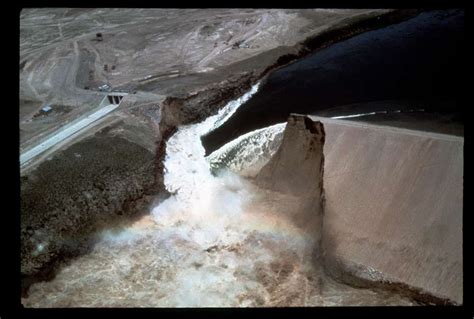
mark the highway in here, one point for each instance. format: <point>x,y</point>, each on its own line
<point>65,133</point>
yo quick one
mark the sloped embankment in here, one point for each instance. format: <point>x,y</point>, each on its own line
<point>390,213</point>
<point>297,169</point>
<point>393,213</point>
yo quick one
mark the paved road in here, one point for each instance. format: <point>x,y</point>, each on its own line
<point>65,133</point>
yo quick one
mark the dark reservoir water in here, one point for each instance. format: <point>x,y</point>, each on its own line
<point>417,65</point>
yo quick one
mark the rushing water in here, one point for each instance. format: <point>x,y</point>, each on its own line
<point>247,154</point>
<point>187,173</point>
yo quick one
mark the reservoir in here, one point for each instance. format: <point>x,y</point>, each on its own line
<point>408,74</point>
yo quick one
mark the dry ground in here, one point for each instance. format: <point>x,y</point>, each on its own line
<point>164,51</point>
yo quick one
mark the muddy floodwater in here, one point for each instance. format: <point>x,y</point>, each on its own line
<point>258,259</point>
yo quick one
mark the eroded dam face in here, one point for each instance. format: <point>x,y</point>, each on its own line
<point>393,212</point>
<point>297,169</point>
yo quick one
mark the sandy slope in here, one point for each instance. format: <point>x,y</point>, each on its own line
<point>394,205</point>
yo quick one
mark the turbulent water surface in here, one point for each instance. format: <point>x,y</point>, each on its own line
<point>217,241</point>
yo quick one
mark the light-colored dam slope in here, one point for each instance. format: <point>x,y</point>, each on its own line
<point>393,211</point>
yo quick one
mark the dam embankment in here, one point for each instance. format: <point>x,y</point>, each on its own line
<point>391,212</point>
<point>394,207</point>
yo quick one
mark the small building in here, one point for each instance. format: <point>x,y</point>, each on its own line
<point>104,87</point>
<point>46,109</point>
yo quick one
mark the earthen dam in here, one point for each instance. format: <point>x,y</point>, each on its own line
<point>392,209</point>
